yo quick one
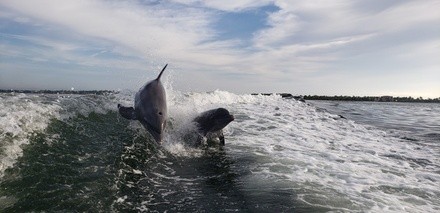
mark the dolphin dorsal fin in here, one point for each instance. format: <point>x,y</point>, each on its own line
<point>160,74</point>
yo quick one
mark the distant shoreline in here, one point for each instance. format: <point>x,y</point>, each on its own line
<point>284,95</point>
<point>354,98</point>
<point>79,92</point>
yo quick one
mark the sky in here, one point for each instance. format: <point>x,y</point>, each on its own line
<point>313,47</point>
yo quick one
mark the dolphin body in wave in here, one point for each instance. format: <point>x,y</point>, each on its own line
<point>210,124</point>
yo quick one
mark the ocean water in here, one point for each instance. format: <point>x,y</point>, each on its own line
<point>75,153</point>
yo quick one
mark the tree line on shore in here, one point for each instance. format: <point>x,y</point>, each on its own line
<point>355,98</point>
<point>79,92</point>
<point>372,98</point>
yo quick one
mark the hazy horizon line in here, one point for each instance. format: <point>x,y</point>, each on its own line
<point>2,90</point>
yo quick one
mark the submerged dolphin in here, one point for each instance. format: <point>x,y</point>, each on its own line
<point>150,108</point>
<point>211,123</point>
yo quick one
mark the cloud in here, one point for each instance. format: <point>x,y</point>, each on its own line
<point>227,5</point>
<point>299,41</point>
<point>308,21</point>
<point>165,30</point>
<point>314,25</point>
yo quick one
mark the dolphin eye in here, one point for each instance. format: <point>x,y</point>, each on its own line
<point>160,113</point>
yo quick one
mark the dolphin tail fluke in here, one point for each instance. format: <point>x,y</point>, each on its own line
<point>158,77</point>
<point>127,112</point>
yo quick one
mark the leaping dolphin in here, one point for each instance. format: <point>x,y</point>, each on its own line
<point>150,108</point>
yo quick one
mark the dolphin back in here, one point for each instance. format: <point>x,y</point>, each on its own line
<point>213,120</point>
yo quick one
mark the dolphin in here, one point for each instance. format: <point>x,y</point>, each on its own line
<point>150,108</point>
<point>210,123</point>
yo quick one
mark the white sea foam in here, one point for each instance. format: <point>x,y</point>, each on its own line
<point>20,116</point>
<point>330,162</point>
<point>184,107</point>
<point>336,163</point>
